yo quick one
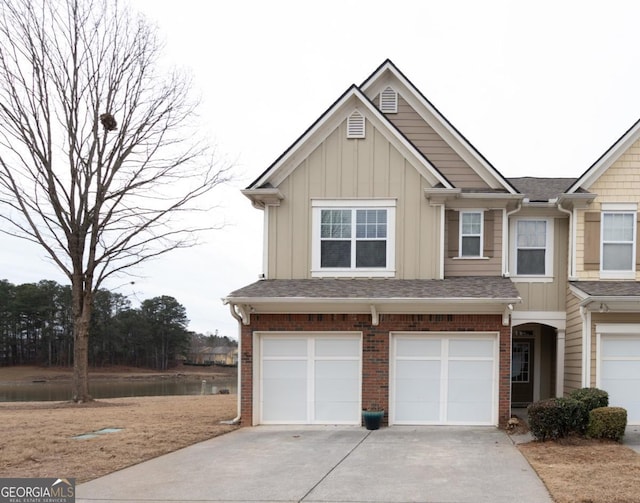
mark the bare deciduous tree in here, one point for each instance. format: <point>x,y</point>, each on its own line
<point>97,148</point>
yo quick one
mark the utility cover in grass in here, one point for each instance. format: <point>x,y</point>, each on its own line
<point>96,433</point>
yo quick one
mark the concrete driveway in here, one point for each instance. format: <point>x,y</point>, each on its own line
<point>332,463</point>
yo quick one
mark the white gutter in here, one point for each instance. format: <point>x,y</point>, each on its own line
<point>571,253</point>
<point>505,238</point>
<point>236,420</point>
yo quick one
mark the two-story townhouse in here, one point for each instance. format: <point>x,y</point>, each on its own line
<point>402,270</point>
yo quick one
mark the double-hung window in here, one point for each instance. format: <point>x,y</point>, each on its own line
<point>353,238</point>
<point>618,241</point>
<point>471,234</point>
<point>533,247</point>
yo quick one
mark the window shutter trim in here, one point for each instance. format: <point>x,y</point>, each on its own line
<point>453,230</point>
<point>592,241</point>
<point>488,237</point>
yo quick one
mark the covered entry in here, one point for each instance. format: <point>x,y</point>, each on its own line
<point>309,378</point>
<point>449,378</point>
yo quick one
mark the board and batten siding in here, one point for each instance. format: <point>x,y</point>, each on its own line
<point>341,168</point>
<point>434,148</point>
<point>619,184</point>
<point>549,296</point>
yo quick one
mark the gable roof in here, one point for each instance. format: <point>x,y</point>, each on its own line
<point>326,123</point>
<point>606,160</point>
<point>386,73</point>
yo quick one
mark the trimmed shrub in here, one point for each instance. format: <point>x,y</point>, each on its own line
<point>592,398</point>
<point>607,422</point>
<point>556,418</point>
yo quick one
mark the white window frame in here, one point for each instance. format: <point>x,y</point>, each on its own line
<point>548,256</point>
<point>317,205</point>
<point>625,209</point>
<point>480,235</point>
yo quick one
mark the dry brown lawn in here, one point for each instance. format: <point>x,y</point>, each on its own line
<point>36,437</point>
<point>586,471</point>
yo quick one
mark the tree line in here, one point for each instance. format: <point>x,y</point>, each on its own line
<point>36,327</point>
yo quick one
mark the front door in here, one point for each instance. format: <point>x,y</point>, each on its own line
<point>522,371</point>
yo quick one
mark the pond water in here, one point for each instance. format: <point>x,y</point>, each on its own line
<point>57,391</point>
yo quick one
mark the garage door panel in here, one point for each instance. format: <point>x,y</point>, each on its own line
<point>412,347</point>
<point>467,394</point>
<point>284,348</point>
<point>337,347</point>
<point>471,348</point>
<point>479,412</point>
<point>336,412</point>
<point>417,412</point>
<point>310,379</point>
<point>619,347</point>
<point>620,370</point>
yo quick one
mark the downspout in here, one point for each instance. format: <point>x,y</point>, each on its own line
<point>505,238</point>
<point>571,257</point>
<point>236,420</point>
<point>586,350</point>
<point>442,243</point>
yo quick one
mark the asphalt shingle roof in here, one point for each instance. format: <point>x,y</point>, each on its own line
<point>541,189</point>
<point>609,288</point>
<point>468,287</point>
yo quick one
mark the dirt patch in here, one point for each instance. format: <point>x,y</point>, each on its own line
<point>586,471</point>
<point>36,437</point>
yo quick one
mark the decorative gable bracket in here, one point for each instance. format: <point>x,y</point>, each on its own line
<point>264,197</point>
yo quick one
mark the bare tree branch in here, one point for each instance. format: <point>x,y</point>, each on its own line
<point>98,150</point>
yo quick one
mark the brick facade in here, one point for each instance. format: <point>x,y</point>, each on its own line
<point>375,348</point>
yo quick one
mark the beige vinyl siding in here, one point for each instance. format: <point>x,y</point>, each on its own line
<point>549,296</point>
<point>341,168</point>
<point>573,345</point>
<point>619,184</point>
<point>434,148</point>
<point>491,265</point>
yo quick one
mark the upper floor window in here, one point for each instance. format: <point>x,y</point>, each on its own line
<point>471,234</point>
<point>533,247</point>
<point>618,241</point>
<point>353,238</point>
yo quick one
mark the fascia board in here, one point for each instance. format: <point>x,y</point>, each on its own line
<point>578,292</point>
<point>605,161</point>
<point>330,121</point>
<point>377,81</point>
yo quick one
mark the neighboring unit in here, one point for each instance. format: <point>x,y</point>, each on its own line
<point>403,271</point>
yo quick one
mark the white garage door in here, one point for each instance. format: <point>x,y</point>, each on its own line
<point>448,379</point>
<point>620,373</point>
<point>310,379</point>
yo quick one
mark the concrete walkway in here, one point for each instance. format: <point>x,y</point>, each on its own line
<point>332,464</point>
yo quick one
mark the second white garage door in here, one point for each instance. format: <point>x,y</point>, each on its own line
<point>444,379</point>
<point>310,379</point>
<point>619,372</point>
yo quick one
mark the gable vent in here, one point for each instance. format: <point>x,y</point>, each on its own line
<point>389,101</point>
<point>355,125</point>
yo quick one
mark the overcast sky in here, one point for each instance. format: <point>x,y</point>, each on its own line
<point>539,88</point>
